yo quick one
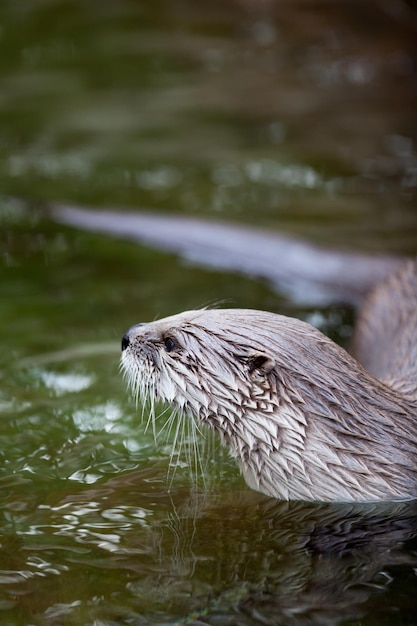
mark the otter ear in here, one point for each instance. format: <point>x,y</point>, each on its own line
<point>261,362</point>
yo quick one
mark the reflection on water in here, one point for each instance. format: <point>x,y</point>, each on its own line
<point>294,116</point>
<point>63,383</point>
<point>217,558</point>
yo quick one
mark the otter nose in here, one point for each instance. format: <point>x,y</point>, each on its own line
<point>126,336</point>
<point>125,341</point>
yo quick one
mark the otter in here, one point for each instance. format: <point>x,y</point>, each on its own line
<point>304,418</point>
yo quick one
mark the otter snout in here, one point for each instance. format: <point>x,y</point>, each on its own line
<point>128,335</point>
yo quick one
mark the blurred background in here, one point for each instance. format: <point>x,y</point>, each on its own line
<point>296,116</point>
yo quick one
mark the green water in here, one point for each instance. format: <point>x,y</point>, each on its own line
<point>294,116</point>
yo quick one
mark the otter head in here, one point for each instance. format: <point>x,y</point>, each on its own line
<point>227,368</point>
<point>202,361</point>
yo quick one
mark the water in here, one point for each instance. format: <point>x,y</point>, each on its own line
<point>294,116</point>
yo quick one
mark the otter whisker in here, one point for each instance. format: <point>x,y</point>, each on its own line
<point>150,404</point>
<point>167,427</point>
<point>158,417</point>
<point>177,416</point>
<point>198,464</point>
<point>179,435</point>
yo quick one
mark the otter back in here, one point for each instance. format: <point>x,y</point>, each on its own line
<point>385,338</point>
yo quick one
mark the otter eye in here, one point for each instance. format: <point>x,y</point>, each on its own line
<point>170,344</point>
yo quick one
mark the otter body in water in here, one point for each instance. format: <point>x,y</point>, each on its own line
<point>303,418</point>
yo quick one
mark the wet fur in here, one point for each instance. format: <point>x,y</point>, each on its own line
<point>303,418</point>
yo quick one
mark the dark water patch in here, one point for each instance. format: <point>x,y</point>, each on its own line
<point>159,557</point>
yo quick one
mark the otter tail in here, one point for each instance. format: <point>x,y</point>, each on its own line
<point>303,271</point>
